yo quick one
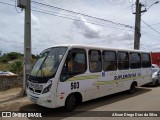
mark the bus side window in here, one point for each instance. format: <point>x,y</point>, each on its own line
<point>75,64</point>
<point>109,60</point>
<point>135,60</point>
<point>123,60</point>
<point>95,62</point>
<point>146,60</point>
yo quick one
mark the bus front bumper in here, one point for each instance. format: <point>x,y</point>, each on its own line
<point>46,100</point>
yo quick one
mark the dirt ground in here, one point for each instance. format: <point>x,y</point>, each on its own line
<point>144,99</point>
<point>10,100</point>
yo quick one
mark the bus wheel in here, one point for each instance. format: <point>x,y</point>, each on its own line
<point>132,88</point>
<point>156,83</point>
<point>71,102</point>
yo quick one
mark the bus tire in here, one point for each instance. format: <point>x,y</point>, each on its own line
<point>156,83</point>
<point>132,88</point>
<point>71,102</point>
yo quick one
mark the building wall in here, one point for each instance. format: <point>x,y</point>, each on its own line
<point>7,82</point>
<point>156,58</point>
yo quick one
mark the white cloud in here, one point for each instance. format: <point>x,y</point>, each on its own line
<point>91,31</point>
<point>87,29</point>
<point>35,21</point>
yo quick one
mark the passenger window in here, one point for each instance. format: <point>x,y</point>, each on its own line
<point>146,60</point>
<point>135,60</point>
<point>95,63</point>
<point>123,60</point>
<point>75,64</point>
<point>109,61</point>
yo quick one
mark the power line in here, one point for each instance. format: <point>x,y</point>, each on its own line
<point>155,24</point>
<point>73,12</point>
<point>150,36</point>
<point>11,41</point>
<point>7,4</point>
<point>131,5</point>
<point>62,15</point>
<point>16,7</point>
<point>73,19</point>
<point>150,27</point>
<point>118,12</point>
<point>77,19</point>
<point>120,15</point>
<point>67,17</point>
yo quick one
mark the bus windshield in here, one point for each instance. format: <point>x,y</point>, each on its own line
<point>48,62</point>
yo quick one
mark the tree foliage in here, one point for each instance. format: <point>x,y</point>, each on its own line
<point>13,62</point>
<point>16,67</point>
<point>10,56</point>
<point>13,55</point>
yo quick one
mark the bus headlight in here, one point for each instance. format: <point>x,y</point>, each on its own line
<point>47,89</point>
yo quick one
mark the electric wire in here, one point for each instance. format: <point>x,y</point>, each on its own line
<point>150,27</point>
<point>16,7</point>
<point>77,13</point>
<point>151,36</point>
<point>78,20</point>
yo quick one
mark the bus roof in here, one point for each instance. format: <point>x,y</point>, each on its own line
<point>98,47</point>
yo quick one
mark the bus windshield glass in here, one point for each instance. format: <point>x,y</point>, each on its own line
<point>48,62</point>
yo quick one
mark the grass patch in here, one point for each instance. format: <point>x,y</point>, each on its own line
<point>4,67</point>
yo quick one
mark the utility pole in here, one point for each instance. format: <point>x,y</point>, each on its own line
<point>137,33</point>
<point>26,4</point>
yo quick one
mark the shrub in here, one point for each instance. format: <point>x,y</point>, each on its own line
<point>16,67</point>
<point>10,57</point>
<point>3,59</point>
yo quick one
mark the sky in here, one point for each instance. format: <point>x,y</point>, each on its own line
<point>53,26</point>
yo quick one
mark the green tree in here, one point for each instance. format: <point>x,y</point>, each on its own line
<point>16,67</point>
<point>10,56</point>
<point>13,56</point>
<point>3,59</point>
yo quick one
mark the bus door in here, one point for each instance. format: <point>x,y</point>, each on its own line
<point>73,71</point>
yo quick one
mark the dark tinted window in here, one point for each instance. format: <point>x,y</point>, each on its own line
<point>135,60</point>
<point>123,62</point>
<point>95,63</point>
<point>146,60</point>
<point>109,60</point>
